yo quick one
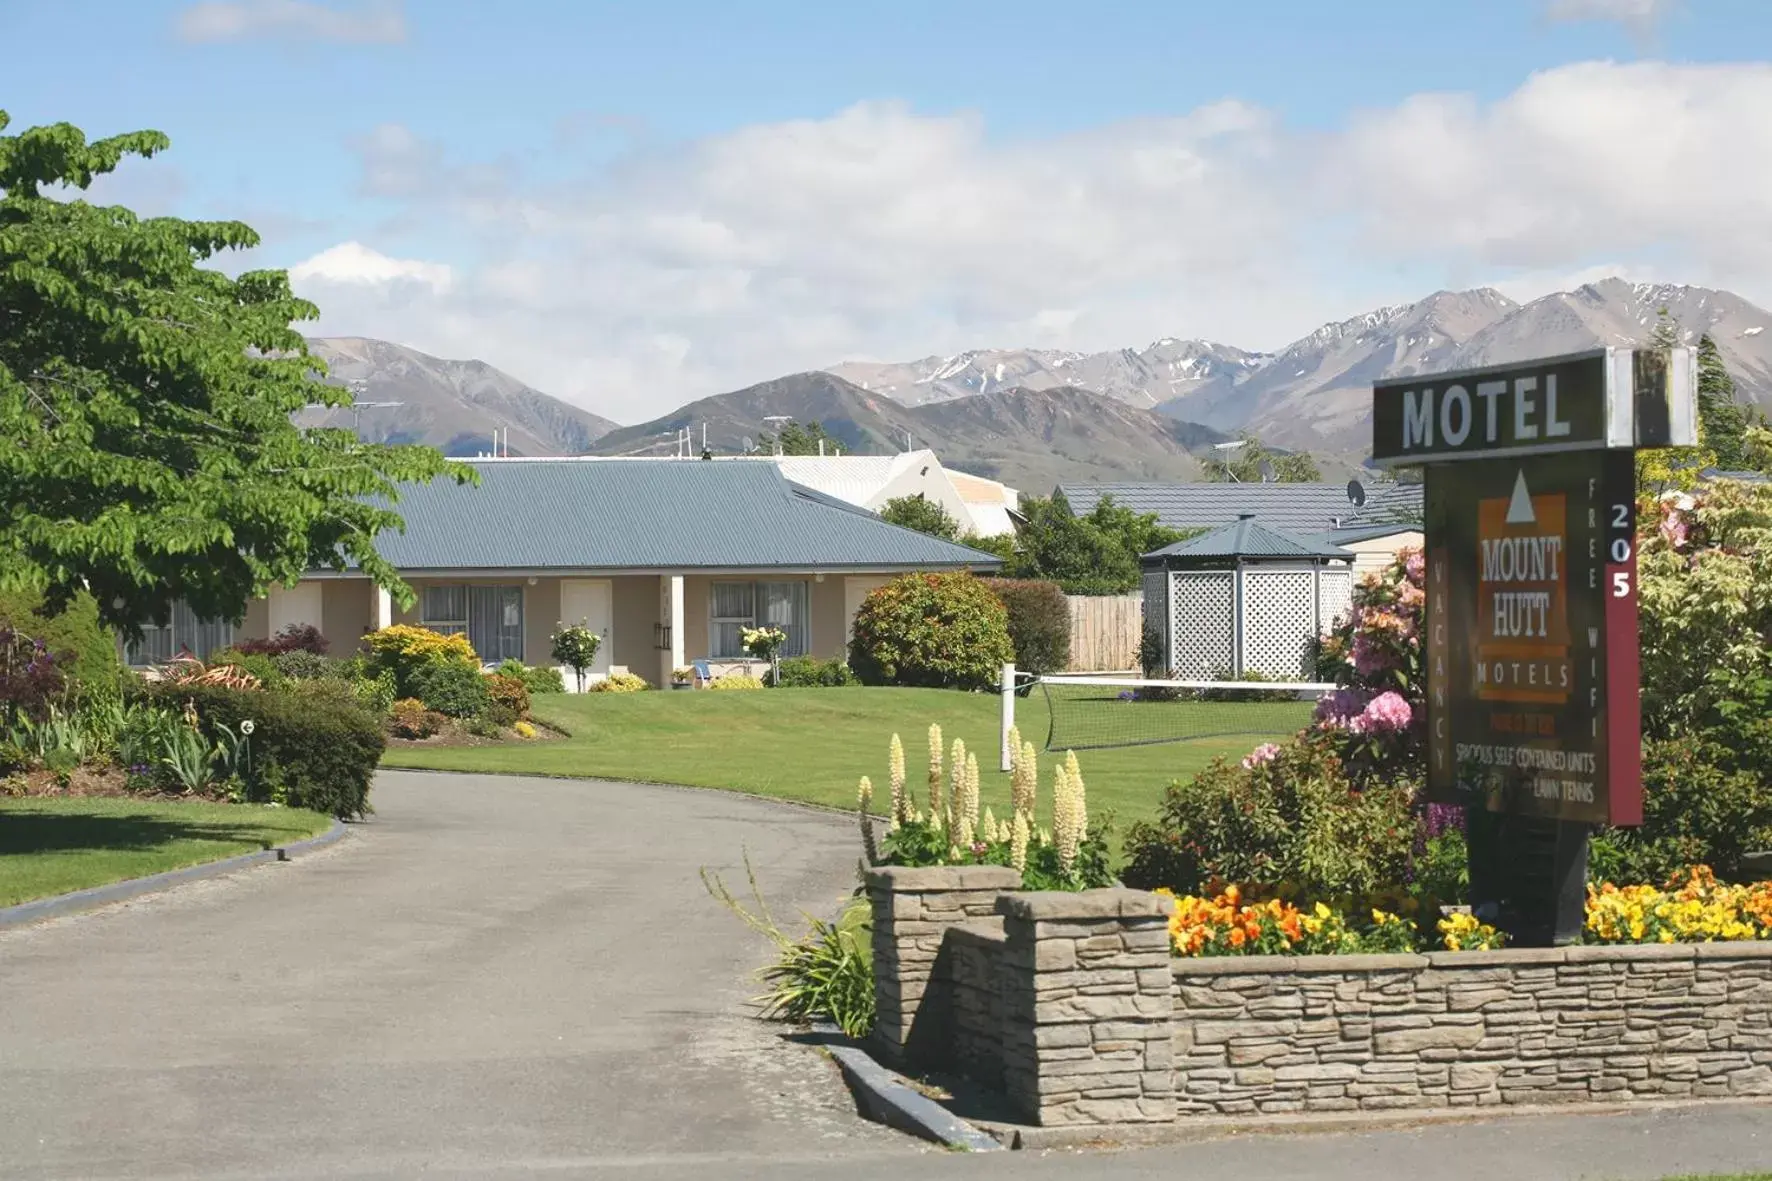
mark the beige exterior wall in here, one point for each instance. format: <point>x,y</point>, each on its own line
<point>257,623</point>
<point>828,620</point>
<point>634,611</point>
<point>1378,552</point>
<point>345,612</point>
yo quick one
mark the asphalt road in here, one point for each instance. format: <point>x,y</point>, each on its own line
<point>504,977</point>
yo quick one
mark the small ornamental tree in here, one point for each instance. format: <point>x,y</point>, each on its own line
<point>933,630</point>
<point>765,643</point>
<point>1039,622</point>
<point>575,646</point>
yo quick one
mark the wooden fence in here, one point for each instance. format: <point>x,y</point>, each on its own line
<point>1105,632</point>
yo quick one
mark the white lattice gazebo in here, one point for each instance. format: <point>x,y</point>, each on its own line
<point>1244,598</point>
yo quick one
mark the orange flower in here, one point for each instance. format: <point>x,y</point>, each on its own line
<point>1237,937</point>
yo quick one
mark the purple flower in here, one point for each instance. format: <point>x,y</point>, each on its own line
<point>1415,565</point>
<point>1334,709</point>
<point>1441,818</point>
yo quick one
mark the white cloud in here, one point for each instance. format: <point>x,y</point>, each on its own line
<point>369,22</point>
<point>1638,15</point>
<point>688,270</point>
<point>353,264</point>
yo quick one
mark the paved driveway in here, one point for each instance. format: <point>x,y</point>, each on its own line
<point>491,970</point>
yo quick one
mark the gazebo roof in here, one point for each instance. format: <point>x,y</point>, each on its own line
<point>1247,538</point>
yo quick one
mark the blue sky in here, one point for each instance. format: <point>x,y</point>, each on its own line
<point>631,204</point>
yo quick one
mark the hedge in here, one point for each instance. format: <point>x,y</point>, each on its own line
<point>1039,622</point>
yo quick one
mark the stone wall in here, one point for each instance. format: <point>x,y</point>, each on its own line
<point>1289,1034</point>
<point>1071,1005</point>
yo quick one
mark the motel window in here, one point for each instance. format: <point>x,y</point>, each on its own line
<point>182,635</point>
<point>490,616</point>
<point>734,606</point>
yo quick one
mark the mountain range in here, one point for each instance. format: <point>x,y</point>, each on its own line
<point>1034,417</point>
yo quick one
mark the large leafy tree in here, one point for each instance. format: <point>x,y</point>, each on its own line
<point>1253,462</point>
<point>1094,554</point>
<point>147,452</point>
<point>922,514</point>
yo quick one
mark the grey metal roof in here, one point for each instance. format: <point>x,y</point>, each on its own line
<point>1249,538</point>
<point>583,514</point>
<point>1297,508</point>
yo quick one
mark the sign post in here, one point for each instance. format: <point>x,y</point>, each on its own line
<point>1530,640</point>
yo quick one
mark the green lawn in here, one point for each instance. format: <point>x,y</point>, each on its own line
<point>51,846</point>
<point>811,744</point>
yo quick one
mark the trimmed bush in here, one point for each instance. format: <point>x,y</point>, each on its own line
<point>410,719</point>
<point>1285,814</point>
<point>931,630</point>
<point>85,649</point>
<point>256,663</point>
<point>538,679</point>
<point>509,695</point>
<point>301,665</point>
<point>312,737</point>
<point>735,682</point>
<point>297,637</point>
<point>403,650</point>
<point>809,672</point>
<point>619,683</point>
<point>453,689</point>
<point>1039,622</point>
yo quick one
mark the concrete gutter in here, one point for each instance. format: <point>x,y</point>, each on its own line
<point>39,909</point>
<point>883,1098</point>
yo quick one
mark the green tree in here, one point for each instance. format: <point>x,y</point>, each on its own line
<point>922,514</point>
<point>1722,421</point>
<point>1243,465</point>
<point>797,439</point>
<point>147,452</point>
<point>1095,554</point>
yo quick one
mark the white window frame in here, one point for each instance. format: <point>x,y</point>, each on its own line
<point>464,626</point>
<point>758,599</point>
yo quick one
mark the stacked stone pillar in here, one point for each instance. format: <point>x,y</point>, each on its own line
<point>1088,1035</point>
<point>914,907</point>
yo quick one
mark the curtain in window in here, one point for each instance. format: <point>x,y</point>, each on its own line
<point>732,607</point>
<point>785,607</point>
<point>495,622</point>
<point>183,633</point>
<point>444,609</point>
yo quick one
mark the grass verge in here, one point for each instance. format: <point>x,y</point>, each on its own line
<point>810,745</point>
<point>54,845</point>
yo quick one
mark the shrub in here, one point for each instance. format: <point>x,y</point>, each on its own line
<point>1039,622</point>
<point>256,664</point>
<point>299,664</point>
<point>375,694</point>
<point>314,736</point>
<point>1698,809</point>
<point>404,650</point>
<point>1291,816</point>
<point>524,730</point>
<point>809,672</point>
<point>31,677</point>
<point>509,694</point>
<point>727,683</point>
<point>453,689</point>
<point>297,637</point>
<point>622,683</point>
<point>539,679</point>
<point>933,630</point>
<point>85,651</point>
<point>410,719</point>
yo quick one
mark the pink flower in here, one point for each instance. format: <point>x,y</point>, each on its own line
<point>1674,529</point>
<point>1411,597</point>
<point>1415,565</point>
<point>1334,709</point>
<point>1370,656</point>
<point>1388,713</point>
<point>1262,754</point>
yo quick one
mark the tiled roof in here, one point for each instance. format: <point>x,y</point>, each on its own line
<point>1297,508</point>
<point>586,514</point>
<point>1248,538</point>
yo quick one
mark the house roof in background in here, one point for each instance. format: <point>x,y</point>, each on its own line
<point>1249,538</point>
<point>1354,533</point>
<point>981,490</point>
<point>853,478</point>
<point>1298,508</point>
<point>571,514</point>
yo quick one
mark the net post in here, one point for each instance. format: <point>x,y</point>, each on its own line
<point>1008,695</point>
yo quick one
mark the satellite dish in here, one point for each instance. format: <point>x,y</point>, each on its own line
<point>1356,494</point>
<point>746,444</point>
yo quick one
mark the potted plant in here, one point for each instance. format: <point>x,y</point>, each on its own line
<point>765,643</point>
<point>682,678</point>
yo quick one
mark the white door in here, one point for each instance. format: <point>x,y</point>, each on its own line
<point>855,589</point>
<point>293,606</point>
<point>590,601</point>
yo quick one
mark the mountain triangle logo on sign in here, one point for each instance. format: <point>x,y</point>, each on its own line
<point>1523,598</point>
